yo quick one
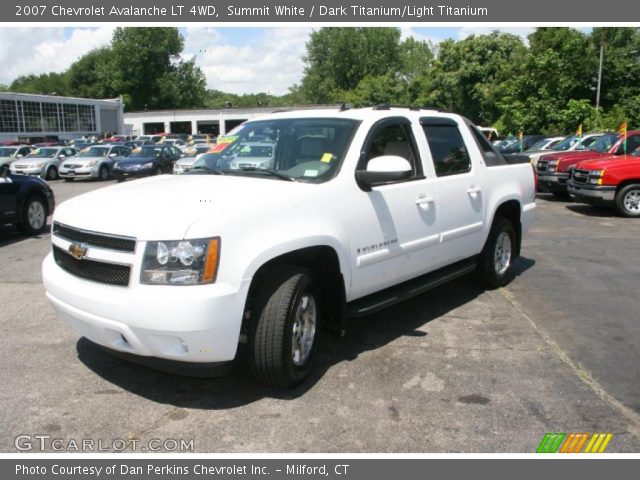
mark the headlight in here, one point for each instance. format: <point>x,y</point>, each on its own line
<point>181,262</point>
<point>595,177</point>
<point>39,165</point>
<point>115,165</point>
<point>553,164</point>
<point>147,165</point>
<point>177,168</point>
<point>92,163</point>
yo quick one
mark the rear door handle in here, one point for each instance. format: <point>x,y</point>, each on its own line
<point>424,202</point>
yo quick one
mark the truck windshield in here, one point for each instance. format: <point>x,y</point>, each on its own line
<point>303,149</point>
<point>566,144</point>
<point>604,143</point>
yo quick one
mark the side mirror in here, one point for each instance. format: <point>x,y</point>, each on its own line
<point>383,170</point>
<point>19,155</point>
<point>113,155</point>
<point>62,156</point>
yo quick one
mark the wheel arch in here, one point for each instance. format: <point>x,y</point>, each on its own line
<point>510,209</point>
<point>324,262</point>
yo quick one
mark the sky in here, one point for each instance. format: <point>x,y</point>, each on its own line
<point>234,59</point>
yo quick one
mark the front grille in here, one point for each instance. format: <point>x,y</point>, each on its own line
<point>73,166</point>
<point>103,240</point>
<point>21,166</point>
<point>580,176</point>
<point>102,272</point>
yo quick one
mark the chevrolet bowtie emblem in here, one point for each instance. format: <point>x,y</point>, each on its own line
<point>77,251</point>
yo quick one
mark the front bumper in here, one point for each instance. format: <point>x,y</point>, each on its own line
<point>142,172</point>
<point>603,195</point>
<point>190,324</point>
<point>31,172</point>
<point>556,182</point>
<point>86,172</point>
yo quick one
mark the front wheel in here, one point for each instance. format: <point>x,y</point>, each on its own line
<point>34,216</point>
<point>284,340</point>
<point>51,173</point>
<point>495,266</point>
<point>103,173</point>
<point>628,201</point>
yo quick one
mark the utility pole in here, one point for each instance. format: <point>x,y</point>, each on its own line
<point>600,70</point>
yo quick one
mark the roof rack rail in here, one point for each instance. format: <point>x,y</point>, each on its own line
<point>414,108</point>
<point>382,106</point>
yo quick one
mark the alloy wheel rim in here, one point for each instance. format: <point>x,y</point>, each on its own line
<point>35,215</point>
<point>632,201</point>
<point>304,329</point>
<point>502,253</point>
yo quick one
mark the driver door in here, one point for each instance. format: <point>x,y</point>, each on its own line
<point>394,226</point>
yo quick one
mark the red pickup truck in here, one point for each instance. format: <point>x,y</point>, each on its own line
<point>553,169</point>
<point>606,183</point>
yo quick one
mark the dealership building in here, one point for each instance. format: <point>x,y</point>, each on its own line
<point>34,118</point>
<point>211,121</point>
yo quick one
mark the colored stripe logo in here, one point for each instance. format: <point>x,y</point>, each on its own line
<point>574,442</point>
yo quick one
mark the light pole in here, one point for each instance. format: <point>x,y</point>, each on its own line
<point>600,71</point>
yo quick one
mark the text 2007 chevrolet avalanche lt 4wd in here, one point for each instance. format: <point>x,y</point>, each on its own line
<point>357,210</point>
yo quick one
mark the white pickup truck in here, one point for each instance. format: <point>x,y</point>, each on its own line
<point>358,210</point>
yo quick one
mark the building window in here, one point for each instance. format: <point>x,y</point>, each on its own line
<point>87,117</point>
<point>70,117</point>
<point>32,116</point>
<point>8,116</point>
<point>50,121</point>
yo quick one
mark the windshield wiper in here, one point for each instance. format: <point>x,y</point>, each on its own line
<point>213,171</point>
<point>271,173</point>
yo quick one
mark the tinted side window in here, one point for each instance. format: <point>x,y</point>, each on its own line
<point>449,153</point>
<point>394,139</point>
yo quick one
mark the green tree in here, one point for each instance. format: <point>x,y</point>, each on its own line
<point>147,67</point>
<point>46,83</point>
<point>93,75</point>
<point>338,59</point>
<point>468,76</point>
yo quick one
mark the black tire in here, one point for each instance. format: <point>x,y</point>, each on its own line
<point>120,180</point>
<point>488,271</point>
<point>103,173</point>
<point>34,216</point>
<point>627,200</point>
<point>560,195</point>
<point>51,173</point>
<point>271,353</point>
<point>68,179</point>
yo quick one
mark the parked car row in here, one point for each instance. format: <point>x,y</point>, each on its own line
<point>607,173</point>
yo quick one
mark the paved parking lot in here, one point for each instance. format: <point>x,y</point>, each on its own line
<point>459,369</point>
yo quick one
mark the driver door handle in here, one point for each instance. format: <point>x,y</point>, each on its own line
<point>424,201</point>
<point>474,191</point>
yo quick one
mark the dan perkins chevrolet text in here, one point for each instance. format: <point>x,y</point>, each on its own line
<point>296,223</point>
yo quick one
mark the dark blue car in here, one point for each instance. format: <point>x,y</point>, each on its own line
<point>146,161</point>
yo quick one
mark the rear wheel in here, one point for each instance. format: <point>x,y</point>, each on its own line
<point>628,200</point>
<point>285,335</point>
<point>495,266</point>
<point>34,216</point>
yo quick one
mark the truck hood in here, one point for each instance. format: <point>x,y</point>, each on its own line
<point>612,162</point>
<point>568,159</point>
<point>165,206</point>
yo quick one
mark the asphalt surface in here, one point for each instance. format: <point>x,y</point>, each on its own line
<point>459,369</point>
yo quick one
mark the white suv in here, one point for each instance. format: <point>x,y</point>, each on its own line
<point>358,210</point>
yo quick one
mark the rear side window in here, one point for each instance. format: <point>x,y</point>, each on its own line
<point>449,153</point>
